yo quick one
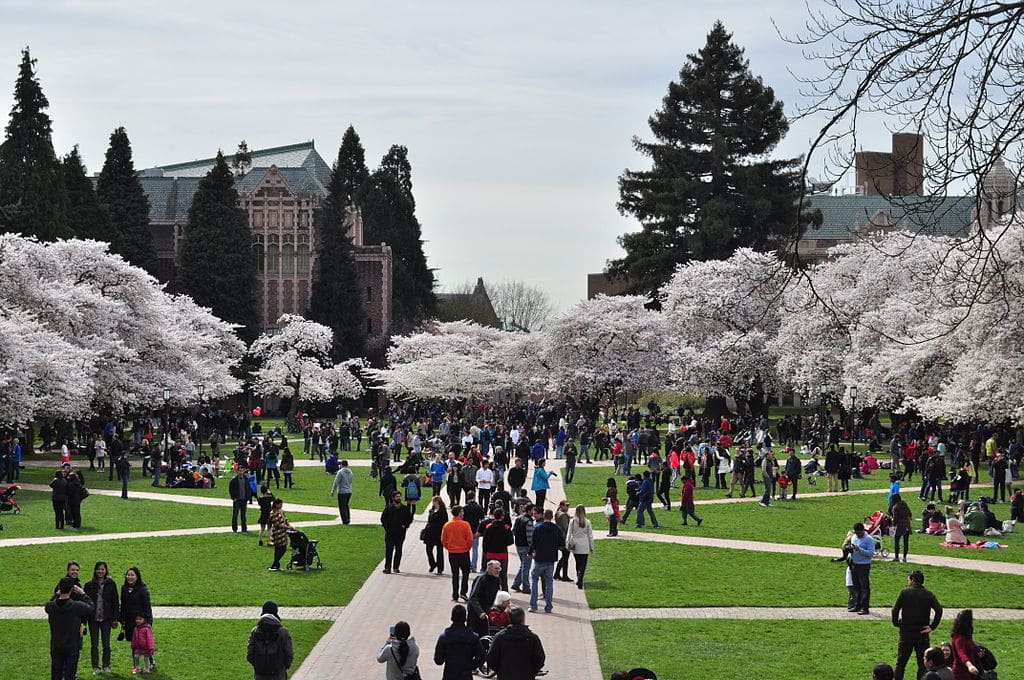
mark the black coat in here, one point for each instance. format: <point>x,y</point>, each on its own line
<point>396,519</point>
<point>516,654</point>
<point>105,593</point>
<point>435,523</point>
<point>459,650</point>
<point>134,602</point>
<point>60,489</point>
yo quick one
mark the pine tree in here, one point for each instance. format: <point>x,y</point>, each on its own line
<point>215,260</point>
<point>31,192</point>
<point>710,189</point>
<point>389,216</point>
<point>336,301</point>
<point>350,167</point>
<point>396,163</point>
<point>86,217</point>
<point>121,195</point>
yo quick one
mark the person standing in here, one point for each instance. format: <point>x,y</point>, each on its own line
<point>645,497</point>
<point>287,466</point>
<point>400,652</point>
<point>522,532</point>
<point>474,514</point>
<point>516,653</point>
<point>570,460</point>
<point>965,651</point>
<point>544,551</point>
<point>65,616</point>
<point>269,649</point>
<point>832,468</point>
<point>240,492</point>
<point>458,648</point>
<point>862,548</point>
<point>540,483</point>
<point>580,540</point>
<point>59,497</point>
<point>516,477</point>
<point>102,590</point>
<point>395,519</point>
<point>485,482</point>
<point>769,473</point>
<point>686,505</point>
<point>495,538</point>
<point>343,487</point>
<point>562,522</point>
<point>134,603</point>
<point>457,539</point>
<point>279,527</point>
<point>124,468</point>
<point>437,517</point>
<point>913,615</point>
<point>794,470</point>
<point>902,526</point>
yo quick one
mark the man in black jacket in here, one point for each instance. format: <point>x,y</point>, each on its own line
<point>395,519</point>
<point>473,513</point>
<point>65,615</point>
<point>912,614</point>
<point>240,492</point>
<point>517,652</point>
<point>544,551</point>
<point>481,597</point>
<point>458,649</point>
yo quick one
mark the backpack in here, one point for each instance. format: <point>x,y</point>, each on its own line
<point>412,491</point>
<point>265,652</point>
<point>986,659</point>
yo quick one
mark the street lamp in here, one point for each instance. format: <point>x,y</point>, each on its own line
<point>853,416</point>
<point>167,418</point>
<point>201,389</point>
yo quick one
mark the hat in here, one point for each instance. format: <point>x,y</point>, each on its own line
<point>270,607</point>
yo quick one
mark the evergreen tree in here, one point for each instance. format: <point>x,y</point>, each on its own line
<point>31,192</point>
<point>710,189</point>
<point>215,260</point>
<point>336,301</point>
<point>389,216</point>
<point>86,217</point>
<point>396,163</point>
<point>350,168</point>
<point>121,194</point>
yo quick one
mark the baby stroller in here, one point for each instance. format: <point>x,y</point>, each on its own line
<point>7,501</point>
<point>303,551</point>
<point>877,526</point>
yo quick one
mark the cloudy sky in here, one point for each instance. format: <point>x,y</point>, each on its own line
<point>518,117</point>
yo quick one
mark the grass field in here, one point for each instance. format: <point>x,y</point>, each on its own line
<point>205,569</point>
<point>750,579</point>
<point>186,649</point>
<point>782,650</point>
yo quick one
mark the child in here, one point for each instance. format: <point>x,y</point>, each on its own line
<point>783,485</point>
<point>142,646</point>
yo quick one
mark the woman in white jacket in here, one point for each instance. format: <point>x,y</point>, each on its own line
<point>580,540</point>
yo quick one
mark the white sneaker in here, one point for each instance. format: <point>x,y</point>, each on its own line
<point>106,669</point>
<point>96,671</point>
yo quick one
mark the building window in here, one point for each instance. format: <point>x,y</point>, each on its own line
<point>257,254</point>
<point>257,219</point>
<point>288,219</point>
<point>302,259</point>
<point>273,259</point>
<point>287,259</point>
<point>369,293</point>
<point>273,219</point>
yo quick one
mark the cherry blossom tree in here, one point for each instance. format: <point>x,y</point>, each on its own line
<point>296,364</point>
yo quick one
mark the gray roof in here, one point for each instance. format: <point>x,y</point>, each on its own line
<point>169,197</point>
<point>302,155</point>
<point>299,179</point>
<point>842,216</point>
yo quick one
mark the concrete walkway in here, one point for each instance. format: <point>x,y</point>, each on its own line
<point>772,613</point>
<point>424,600</point>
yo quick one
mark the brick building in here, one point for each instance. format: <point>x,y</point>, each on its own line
<point>279,192</point>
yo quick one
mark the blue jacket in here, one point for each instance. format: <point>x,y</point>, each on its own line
<point>537,451</point>
<point>540,479</point>
<point>646,489</point>
<point>459,651</point>
<point>545,542</point>
<point>863,549</point>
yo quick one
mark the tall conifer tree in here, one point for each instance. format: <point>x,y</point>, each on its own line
<point>120,193</point>
<point>86,217</point>
<point>336,301</point>
<point>31,191</point>
<point>710,189</point>
<point>350,168</point>
<point>215,258</point>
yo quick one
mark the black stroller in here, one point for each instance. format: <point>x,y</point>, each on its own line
<point>303,551</point>
<point>7,502</point>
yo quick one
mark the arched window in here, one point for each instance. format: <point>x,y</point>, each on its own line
<point>287,259</point>
<point>258,257</point>
<point>302,259</point>
<point>273,259</point>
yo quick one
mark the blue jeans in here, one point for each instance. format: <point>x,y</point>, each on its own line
<point>627,469</point>
<point>559,451</point>
<point>646,505</point>
<point>473,555</point>
<point>546,571</point>
<point>769,489</point>
<point>522,579</point>
<point>585,452</point>
<point>570,471</point>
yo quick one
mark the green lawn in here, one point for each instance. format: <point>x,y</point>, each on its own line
<point>783,650</point>
<point>795,580</point>
<point>106,514</point>
<point>186,649</point>
<point>211,569</point>
<point>812,521</point>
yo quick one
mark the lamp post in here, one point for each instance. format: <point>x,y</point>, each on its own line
<point>167,418</point>
<point>201,389</point>
<point>853,416</point>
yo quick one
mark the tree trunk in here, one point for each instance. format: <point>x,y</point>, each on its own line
<point>715,407</point>
<point>30,438</point>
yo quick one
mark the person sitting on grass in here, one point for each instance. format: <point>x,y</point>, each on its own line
<point>954,528</point>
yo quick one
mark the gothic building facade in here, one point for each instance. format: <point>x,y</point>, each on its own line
<point>279,192</point>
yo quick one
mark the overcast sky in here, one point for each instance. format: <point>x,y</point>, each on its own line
<point>518,118</point>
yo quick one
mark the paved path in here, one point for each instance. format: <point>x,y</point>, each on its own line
<point>755,499</point>
<point>424,600</point>
<point>772,613</point>
<point>253,613</point>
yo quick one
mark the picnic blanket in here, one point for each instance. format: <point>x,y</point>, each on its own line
<point>979,544</point>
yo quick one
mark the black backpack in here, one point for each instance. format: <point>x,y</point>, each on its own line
<point>266,651</point>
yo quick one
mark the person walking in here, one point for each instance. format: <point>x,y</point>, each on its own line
<point>124,471</point>
<point>102,590</point>
<point>580,540</point>
<point>862,548</point>
<point>495,538</point>
<point>540,483</point>
<point>516,653</point>
<point>544,551</point>
<point>343,487</point>
<point>916,613</point>
<point>65,616</point>
<point>562,522</point>
<point>437,517</point>
<point>485,589</point>
<point>965,651</point>
<point>240,493</point>
<point>902,526</point>
<point>645,497</point>
<point>458,648</point>
<point>686,505</point>
<point>457,539</point>
<point>522,532</point>
<point>287,466</point>
<point>269,649</point>
<point>794,470</point>
<point>400,652</point>
<point>395,519</point>
<point>279,526</point>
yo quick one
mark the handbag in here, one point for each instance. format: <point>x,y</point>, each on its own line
<point>608,510</point>
<point>412,675</point>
